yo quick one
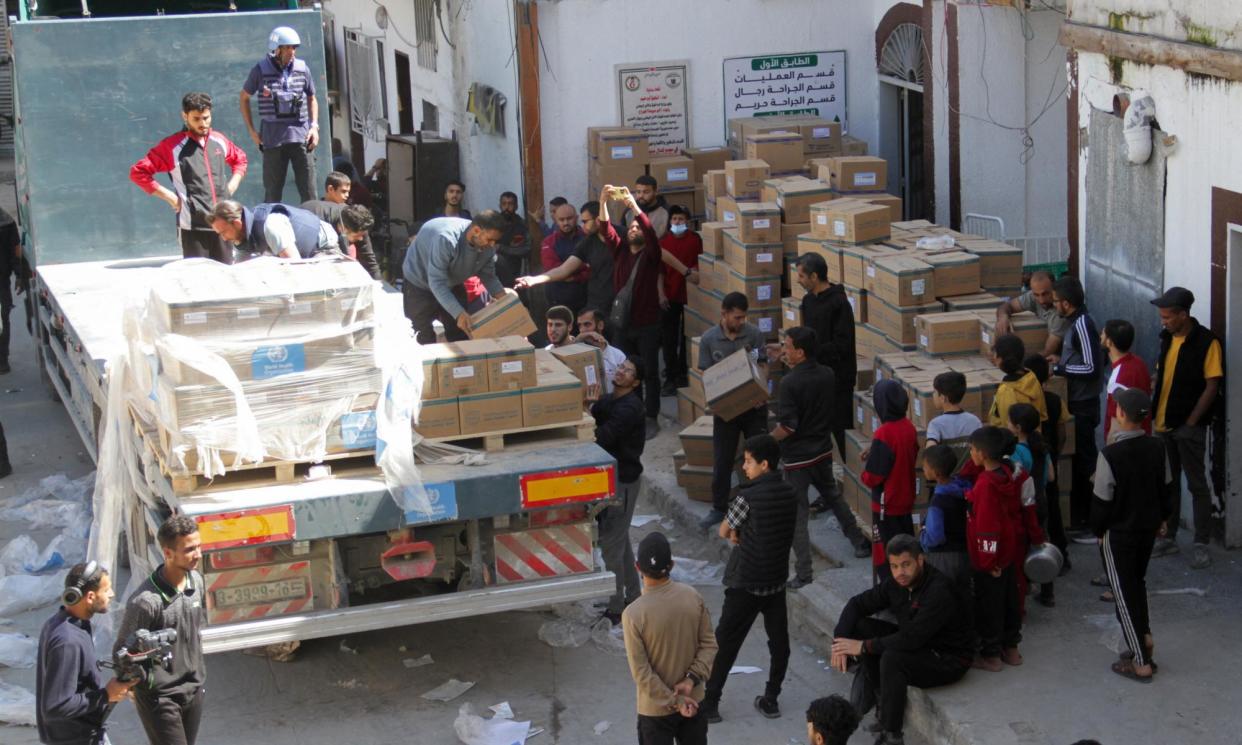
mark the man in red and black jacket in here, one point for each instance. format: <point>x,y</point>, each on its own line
<point>205,167</point>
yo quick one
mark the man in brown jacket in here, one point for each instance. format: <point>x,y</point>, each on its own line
<point>670,646</point>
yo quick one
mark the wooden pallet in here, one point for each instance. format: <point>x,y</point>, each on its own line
<point>582,430</point>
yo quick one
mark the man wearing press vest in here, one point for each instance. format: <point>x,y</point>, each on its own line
<point>288,115</point>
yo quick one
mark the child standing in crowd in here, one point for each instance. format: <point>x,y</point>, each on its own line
<point>888,470</point>
<point>954,425</point>
<point>1020,386</point>
<point>990,542</point>
<point>1029,454</point>
<point>944,534</point>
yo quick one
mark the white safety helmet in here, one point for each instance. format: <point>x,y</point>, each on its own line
<point>283,36</point>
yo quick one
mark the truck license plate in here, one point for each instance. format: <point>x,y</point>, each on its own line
<point>264,592</point>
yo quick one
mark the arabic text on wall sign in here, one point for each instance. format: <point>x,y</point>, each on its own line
<point>805,83</point>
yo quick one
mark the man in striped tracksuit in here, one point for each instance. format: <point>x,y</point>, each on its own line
<point>1082,363</point>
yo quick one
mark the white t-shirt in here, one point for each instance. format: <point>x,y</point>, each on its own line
<point>613,358</point>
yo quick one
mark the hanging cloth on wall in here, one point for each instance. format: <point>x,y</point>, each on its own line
<point>488,106</point>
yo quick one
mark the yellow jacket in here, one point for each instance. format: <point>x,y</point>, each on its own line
<point>1024,390</point>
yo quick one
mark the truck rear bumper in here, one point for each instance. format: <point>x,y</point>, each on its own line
<point>407,612</point>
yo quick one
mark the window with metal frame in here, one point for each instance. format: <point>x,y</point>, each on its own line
<point>425,12</point>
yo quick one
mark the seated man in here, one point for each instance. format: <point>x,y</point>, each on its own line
<point>591,331</point>
<point>931,644</point>
<point>276,229</point>
<point>560,326</point>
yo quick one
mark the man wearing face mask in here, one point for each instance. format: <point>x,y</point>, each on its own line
<point>686,245</point>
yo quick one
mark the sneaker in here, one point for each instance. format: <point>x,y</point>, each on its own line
<point>862,550</point>
<point>819,506</point>
<point>653,427</point>
<point>1165,547</point>
<point>1201,558</point>
<point>991,664</point>
<point>768,707</point>
<point>710,710</point>
<point>711,519</point>
<point>797,583</point>
<point>1011,656</point>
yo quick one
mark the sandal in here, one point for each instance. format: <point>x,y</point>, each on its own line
<point>1108,597</point>
<point>1128,656</point>
<point>1126,670</point>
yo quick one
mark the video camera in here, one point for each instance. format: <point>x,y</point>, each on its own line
<point>142,651</point>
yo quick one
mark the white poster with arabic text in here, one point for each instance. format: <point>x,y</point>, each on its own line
<point>810,83</point>
<point>653,99</point>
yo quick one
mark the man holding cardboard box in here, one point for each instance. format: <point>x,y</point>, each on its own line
<point>730,335</point>
<point>446,252</point>
<point>1038,300</point>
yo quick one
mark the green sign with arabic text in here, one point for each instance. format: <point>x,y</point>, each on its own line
<point>784,62</point>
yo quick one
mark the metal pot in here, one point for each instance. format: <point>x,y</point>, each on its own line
<point>1043,563</point>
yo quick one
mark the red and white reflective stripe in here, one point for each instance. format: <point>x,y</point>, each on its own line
<point>252,612</point>
<point>250,576</point>
<point>544,552</point>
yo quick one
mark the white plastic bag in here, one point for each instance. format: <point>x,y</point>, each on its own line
<point>18,650</point>
<point>17,705</point>
<point>18,554</point>
<point>473,729</point>
<point>47,513</point>
<point>23,592</point>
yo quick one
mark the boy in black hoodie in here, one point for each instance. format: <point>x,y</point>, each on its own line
<point>760,525</point>
<point>1129,509</point>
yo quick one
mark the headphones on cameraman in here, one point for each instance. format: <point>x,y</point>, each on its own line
<point>73,590</point>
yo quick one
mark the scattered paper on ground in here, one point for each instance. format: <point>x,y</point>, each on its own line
<point>602,727</point>
<point>418,662</point>
<point>744,670</point>
<point>638,521</point>
<point>449,690</point>
<point>473,729</point>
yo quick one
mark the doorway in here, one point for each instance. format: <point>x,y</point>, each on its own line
<point>901,71</point>
<point>405,102</point>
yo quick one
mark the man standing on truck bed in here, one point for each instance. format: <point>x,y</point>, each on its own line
<point>205,167</point>
<point>288,115</point>
<point>446,252</point>
<point>170,703</point>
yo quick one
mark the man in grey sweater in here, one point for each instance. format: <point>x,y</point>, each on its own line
<point>446,253</point>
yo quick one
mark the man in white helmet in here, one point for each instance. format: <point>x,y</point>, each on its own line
<point>288,115</point>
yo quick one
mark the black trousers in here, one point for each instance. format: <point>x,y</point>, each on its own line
<point>1086,419</point>
<point>1055,528</point>
<point>671,729</point>
<point>998,614</point>
<point>204,244</point>
<point>891,672</point>
<point>171,720</point>
<point>673,340</point>
<point>6,308</point>
<point>422,308</point>
<point>276,161</point>
<point>1125,559</point>
<point>644,341</point>
<point>725,436</point>
<point>736,617</point>
<point>842,417</point>
<point>885,529</point>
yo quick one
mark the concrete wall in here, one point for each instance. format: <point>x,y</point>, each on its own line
<point>1215,23</point>
<point>583,39</point>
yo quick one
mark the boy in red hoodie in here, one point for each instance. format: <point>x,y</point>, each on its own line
<point>888,471</point>
<point>995,508</point>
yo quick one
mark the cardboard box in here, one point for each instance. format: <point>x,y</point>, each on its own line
<point>707,158</point>
<point>1000,263</point>
<point>851,145</point>
<point>808,243</point>
<point>510,364</point>
<point>673,172</point>
<point>743,126</point>
<point>624,173</point>
<point>866,421</point>
<point>761,292</point>
<point>1026,326</point>
<point>866,374</point>
<point>461,367</point>
<point>900,280</point>
<point>856,258</point>
<point>868,340</point>
<point>887,200</point>
<point>791,313</point>
<point>696,441</point>
<point>484,413</point>
<point>712,234</point>
<point>697,481</point>
<point>850,221</point>
<point>791,281</point>
<point>974,301</point>
<point>897,322</point>
<point>956,272</point>
<point>683,199</point>
<point>679,460</point>
<point>820,136</point>
<point>796,197</point>
<point>781,151</point>
<point>744,178</point>
<point>790,232</point>
<point>438,417</point>
<point>685,409</point>
<point>767,320</point>
<point>695,389</point>
<point>734,385</point>
<point>857,173</point>
<point>504,316</point>
<point>593,140</point>
<point>585,361</point>
<point>707,271</point>
<point>858,303</point>
<point>695,322</point>
<point>855,443</point>
<point>621,145</point>
<point>555,398</point>
<point>752,260</point>
<point>726,211</point>
<point>759,222</point>
<point>948,333</point>
<point>431,382</point>
<point>715,185</point>
<point>700,203</point>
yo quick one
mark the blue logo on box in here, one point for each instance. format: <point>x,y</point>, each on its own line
<point>281,359</point>
<point>358,430</point>
<point>443,498</point>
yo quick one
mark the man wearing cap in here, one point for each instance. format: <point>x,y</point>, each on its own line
<point>1129,509</point>
<point>670,647</point>
<point>288,115</point>
<point>1189,375</point>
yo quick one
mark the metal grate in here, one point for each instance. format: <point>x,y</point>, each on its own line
<point>902,55</point>
<point>365,92</point>
<point>987,226</point>
<point>425,31</point>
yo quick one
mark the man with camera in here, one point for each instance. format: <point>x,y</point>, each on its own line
<point>71,699</point>
<point>170,703</point>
